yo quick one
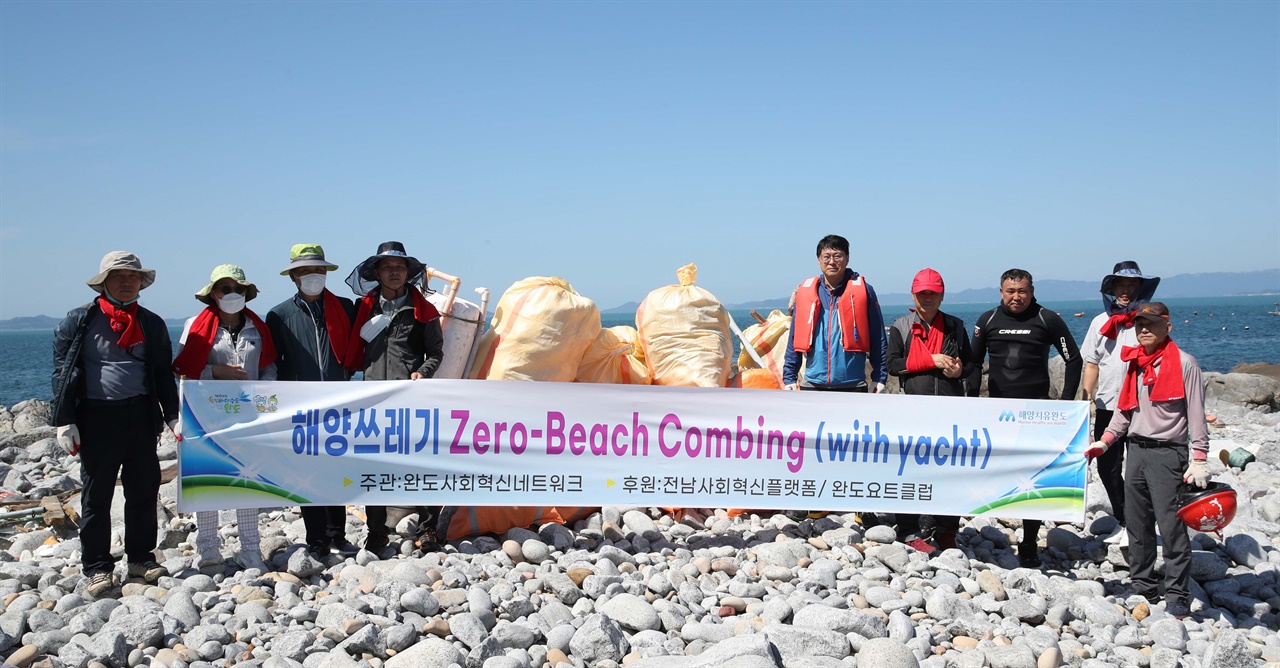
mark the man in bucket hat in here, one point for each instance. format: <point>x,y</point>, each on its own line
<point>113,393</point>
<point>1161,411</point>
<point>310,331</point>
<point>396,336</point>
<point>1122,291</point>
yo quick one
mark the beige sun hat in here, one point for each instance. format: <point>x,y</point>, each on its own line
<point>220,272</point>
<point>307,255</point>
<point>121,260</point>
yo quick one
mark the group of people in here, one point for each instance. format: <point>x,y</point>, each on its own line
<point>1148,395</point>
<point>115,387</point>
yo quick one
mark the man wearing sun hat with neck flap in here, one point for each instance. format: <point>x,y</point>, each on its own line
<point>113,393</point>
<point>1123,290</point>
<point>311,330</point>
<point>1161,411</point>
<point>396,336</point>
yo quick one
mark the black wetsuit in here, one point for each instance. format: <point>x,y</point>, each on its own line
<point>1019,347</point>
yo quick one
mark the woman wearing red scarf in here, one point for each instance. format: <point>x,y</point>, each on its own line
<point>929,353</point>
<point>227,341</point>
<point>1161,410</point>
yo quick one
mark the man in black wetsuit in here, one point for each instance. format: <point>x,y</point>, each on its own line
<point>1018,334</point>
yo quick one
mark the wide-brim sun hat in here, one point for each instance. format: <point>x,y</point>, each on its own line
<point>121,260</point>
<point>1129,269</point>
<point>220,272</point>
<point>364,277</point>
<point>307,255</point>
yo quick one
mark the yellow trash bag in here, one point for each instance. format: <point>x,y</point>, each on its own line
<point>610,359</point>
<point>684,332</point>
<point>539,331</point>
<point>769,339</point>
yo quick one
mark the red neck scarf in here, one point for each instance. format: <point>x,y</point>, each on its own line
<point>337,325</point>
<point>1165,382</point>
<point>204,329</point>
<point>925,344</point>
<point>423,311</point>
<point>124,319</point>
<point>1111,328</point>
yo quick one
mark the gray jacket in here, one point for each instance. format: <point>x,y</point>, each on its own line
<point>406,346</point>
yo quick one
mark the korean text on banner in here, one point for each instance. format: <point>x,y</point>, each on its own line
<point>255,444</point>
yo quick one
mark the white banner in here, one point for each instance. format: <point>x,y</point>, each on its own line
<point>495,443</point>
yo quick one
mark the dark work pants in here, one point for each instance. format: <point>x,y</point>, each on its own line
<point>1111,465</point>
<point>1152,478</point>
<point>118,440</point>
<point>326,525</point>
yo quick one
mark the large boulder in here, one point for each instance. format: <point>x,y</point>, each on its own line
<point>1259,368</point>
<point>1252,391</point>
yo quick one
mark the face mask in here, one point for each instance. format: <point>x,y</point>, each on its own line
<point>232,303</point>
<point>311,284</point>
<point>116,302</point>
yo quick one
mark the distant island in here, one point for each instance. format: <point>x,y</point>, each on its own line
<point>1215,284</point>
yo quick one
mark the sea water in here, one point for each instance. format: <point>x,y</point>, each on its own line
<point>1220,332</point>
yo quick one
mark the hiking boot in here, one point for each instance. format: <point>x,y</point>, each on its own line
<point>148,570</point>
<point>1178,609</point>
<point>101,584</point>
<point>376,543</point>
<point>209,558</point>
<point>428,541</point>
<point>1029,554</point>
<point>251,559</point>
<point>318,551</point>
<point>344,547</point>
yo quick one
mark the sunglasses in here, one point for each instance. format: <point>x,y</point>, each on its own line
<point>228,289</point>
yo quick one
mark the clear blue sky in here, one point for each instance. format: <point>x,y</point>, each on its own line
<point>611,143</point>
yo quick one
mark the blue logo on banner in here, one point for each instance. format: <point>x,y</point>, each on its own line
<point>1007,416</point>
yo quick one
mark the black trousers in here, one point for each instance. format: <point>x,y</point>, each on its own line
<point>326,525</point>
<point>118,440</point>
<point>1111,465</point>
<point>1152,478</point>
<point>376,518</point>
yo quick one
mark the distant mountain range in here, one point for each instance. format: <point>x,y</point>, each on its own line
<point>31,322</point>
<point>1215,284</point>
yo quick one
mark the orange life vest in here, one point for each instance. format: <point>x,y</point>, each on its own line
<point>851,309</point>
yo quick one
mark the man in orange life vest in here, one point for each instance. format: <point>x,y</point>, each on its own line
<point>837,324</point>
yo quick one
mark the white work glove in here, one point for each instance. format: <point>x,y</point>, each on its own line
<point>69,439</point>
<point>1197,474</point>
<point>1095,450</point>
<point>792,386</point>
<point>879,389</point>
<point>173,427</point>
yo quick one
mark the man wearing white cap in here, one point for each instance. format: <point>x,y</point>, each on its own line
<point>113,393</point>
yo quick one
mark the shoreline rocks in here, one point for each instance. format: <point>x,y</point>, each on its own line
<point>640,587</point>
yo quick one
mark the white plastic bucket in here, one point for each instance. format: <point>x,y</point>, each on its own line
<point>461,327</point>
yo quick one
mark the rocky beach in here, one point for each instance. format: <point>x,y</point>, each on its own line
<point>640,587</point>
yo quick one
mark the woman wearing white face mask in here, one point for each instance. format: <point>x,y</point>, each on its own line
<point>227,341</point>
